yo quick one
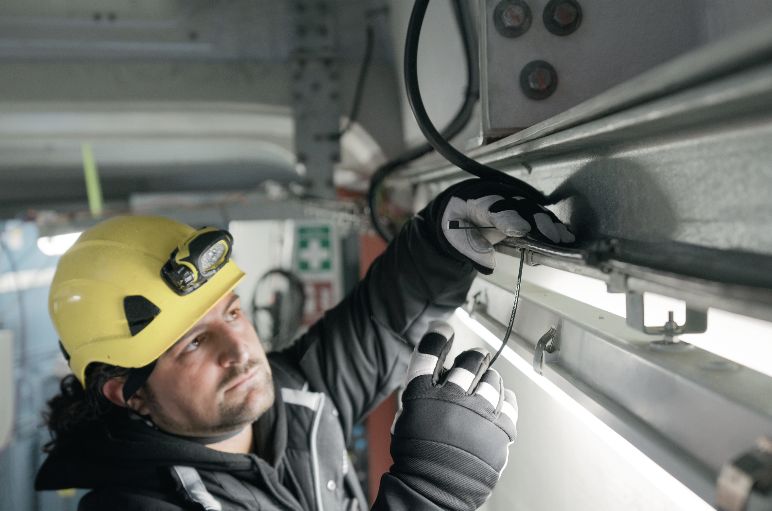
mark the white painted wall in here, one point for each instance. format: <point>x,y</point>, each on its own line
<point>6,387</point>
<point>258,246</point>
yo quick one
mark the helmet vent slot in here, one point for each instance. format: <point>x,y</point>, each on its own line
<point>139,312</point>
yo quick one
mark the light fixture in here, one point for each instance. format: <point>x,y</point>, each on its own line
<point>57,245</point>
<point>638,462</point>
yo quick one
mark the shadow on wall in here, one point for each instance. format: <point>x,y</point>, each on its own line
<point>615,198</point>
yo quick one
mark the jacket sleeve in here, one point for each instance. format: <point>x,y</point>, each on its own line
<point>395,495</point>
<point>126,500</point>
<point>358,352</point>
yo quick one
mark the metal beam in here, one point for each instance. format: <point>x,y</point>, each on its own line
<point>665,179</point>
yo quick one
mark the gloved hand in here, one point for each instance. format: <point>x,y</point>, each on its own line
<point>501,212</point>
<point>451,436</point>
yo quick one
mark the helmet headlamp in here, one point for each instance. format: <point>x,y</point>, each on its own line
<point>197,259</point>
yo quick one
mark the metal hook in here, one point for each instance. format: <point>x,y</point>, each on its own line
<point>546,344</point>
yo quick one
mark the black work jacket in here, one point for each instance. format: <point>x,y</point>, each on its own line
<point>329,380</point>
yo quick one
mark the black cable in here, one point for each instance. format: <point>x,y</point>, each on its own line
<point>361,79</point>
<point>284,327</point>
<point>514,308</point>
<point>454,127</point>
<point>437,141</point>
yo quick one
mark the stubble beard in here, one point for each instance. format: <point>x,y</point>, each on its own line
<point>231,416</point>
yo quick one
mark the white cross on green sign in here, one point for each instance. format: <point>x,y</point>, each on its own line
<point>314,249</point>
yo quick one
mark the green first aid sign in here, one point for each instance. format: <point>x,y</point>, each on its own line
<point>314,249</point>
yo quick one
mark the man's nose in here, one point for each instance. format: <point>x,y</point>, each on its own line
<point>233,348</point>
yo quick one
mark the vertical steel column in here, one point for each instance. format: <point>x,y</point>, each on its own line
<point>316,94</point>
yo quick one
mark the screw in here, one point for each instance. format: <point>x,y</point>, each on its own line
<point>512,18</point>
<point>562,17</point>
<point>538,79</point>
<point>670,328</point>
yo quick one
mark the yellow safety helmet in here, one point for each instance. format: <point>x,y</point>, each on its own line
<point>131,286</point>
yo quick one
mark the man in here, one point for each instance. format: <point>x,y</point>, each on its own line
<point>173,403</point>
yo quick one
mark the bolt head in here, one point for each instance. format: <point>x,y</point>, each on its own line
<point>562,17</point>
<point>512,18</point>
<point>538,79</point>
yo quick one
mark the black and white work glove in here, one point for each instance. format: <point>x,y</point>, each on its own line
<point>477,214</point>
<point>451,436</point>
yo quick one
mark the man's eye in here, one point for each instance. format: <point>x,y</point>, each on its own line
<point>234,313</point>
<point>192,345</point>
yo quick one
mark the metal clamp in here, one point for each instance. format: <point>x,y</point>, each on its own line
<point>750,471</point>
<point>696,320</point>
<point>546,346</point>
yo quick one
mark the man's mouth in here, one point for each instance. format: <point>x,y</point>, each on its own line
<point>243,380</point>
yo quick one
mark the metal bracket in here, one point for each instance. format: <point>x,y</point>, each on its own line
<point>696,320</point>
<point>738,479</point>
<point>479,303</point>
<point>546,349</point>
<point>316,103</point>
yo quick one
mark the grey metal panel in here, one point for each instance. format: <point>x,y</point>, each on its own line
<point>203,209</point>
<point>148,29</point>
<point>614,42</point>
<point>689,410</point>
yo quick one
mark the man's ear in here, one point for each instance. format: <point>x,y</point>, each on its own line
<point>113,391</point>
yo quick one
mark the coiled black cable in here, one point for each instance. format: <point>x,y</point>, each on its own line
<point>454,127</point>
<point>438,142</point>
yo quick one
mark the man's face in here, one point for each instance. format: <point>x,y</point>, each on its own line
<point>215,379</point>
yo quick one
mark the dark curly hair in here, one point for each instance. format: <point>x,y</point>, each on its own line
<point>75,406</point>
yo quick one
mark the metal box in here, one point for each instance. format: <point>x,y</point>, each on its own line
<point>541,57</point>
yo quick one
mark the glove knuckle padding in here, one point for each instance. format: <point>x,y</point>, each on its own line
<point>547,227</point>
<point>467,369</point>
<point>510,222</point>
<point>509,412</point>
<point>478,209</point>
<point>499,212</point>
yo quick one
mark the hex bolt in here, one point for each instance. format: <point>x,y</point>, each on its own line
<point>512,18</point>
<point>538,79</point>
<point>562,17</point>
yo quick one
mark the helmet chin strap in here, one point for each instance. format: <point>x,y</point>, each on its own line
<point>203,440</point>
